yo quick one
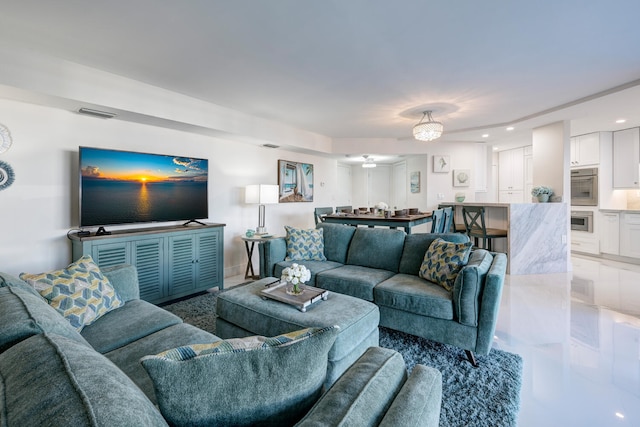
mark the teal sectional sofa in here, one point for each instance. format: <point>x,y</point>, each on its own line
<point>382,265</point>
<point>52,374</point>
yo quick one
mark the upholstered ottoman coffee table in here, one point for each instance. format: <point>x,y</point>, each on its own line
<point>242,311</point>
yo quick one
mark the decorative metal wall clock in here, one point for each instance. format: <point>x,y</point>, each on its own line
<point>6,175</point>
<point>5,139</point>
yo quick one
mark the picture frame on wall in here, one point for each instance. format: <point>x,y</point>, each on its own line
<point>441,164</point>
<point>295,181</point>
<point>461,177</point>
<point>414,180</point>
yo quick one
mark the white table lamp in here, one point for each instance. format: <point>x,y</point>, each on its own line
<point>261,194</point>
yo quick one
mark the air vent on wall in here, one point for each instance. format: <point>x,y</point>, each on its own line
<point>97,113</point>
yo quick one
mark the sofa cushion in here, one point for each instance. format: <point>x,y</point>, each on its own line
<point>337,238</point>
<point>413,294</point>
<point>352,280</point>
<point>304,244</point>
<point>135,320</point>
<point>264,384</point>
<point>7,280</point>
<point>314,267</point>
<point>80,292</point>
<point>468,287</point>
<point>23,314</point>
<point>363,394</point>
<point>50,380</point>
<point>415,246</point>
<point>376,248</point>
<point>443,260</point>
<point>127,358</point>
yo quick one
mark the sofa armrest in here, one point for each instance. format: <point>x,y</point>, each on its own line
<point>124,279</point>
<point>418,402</point>
<point>271,251</point>
<point>490,303</point>
<point>364,392</point>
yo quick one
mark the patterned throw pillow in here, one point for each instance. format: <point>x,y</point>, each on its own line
<point>80,292</point>
<point>305,245</point>
<point>443,260</point>
<point>267,381</point>
<point>237,345</point>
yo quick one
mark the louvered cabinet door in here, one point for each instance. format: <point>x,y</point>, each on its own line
<point>110,254</point>
<point>209,266</point>
<point>182,264</point>
<point>148,257</point>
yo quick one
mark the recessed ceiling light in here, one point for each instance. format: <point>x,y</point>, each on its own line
<point>486,135</point>
<point>621,120</point>
<point>510,128</point>
<point>620,415</point>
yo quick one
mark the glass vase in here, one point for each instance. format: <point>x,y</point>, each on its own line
<point>296,289</point>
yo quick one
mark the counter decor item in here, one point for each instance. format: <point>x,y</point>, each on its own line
<point>542,193</point>
<point>250,233</point>
<point>460,197</point>
<point>295,276</point>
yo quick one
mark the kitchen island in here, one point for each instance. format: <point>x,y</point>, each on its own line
<point>536,240</point>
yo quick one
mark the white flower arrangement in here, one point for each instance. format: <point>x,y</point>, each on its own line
<point>382,206</point>
<point>295,274</point>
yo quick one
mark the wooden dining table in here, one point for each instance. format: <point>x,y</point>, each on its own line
<point>374,220</point>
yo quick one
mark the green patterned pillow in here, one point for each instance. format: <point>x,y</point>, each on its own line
<point>443,260</point>
<point>267,381</point>
<point>305,245</point>
<point>80,292</point>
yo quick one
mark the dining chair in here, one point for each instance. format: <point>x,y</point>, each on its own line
<point>476,227</point>
<point>347,209</point>
<point>450,213</point>
<point>448,219</point>
<point>319,213</point>
<point>437,221</point>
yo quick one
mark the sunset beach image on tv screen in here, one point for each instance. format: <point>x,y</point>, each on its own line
<point>120,187</point>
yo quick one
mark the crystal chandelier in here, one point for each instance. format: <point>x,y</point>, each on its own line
<point>429,130</point>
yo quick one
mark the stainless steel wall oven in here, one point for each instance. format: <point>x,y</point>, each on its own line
<point>584,187</point>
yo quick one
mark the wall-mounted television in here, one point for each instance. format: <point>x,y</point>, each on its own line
<point>125,187</point>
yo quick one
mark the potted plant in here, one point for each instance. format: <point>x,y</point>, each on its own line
<point>542,193</point>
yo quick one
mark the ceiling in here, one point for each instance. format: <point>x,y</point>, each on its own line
<point>363,68</point>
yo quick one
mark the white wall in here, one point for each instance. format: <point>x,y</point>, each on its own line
<point>41,206</point>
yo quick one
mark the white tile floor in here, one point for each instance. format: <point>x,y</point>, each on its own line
<point>579,336</point>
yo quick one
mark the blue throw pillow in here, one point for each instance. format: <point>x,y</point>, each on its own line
<point>242,381</point>
<point>304,245</point>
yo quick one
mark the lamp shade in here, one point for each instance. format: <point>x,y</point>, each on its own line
<point>261,194</point>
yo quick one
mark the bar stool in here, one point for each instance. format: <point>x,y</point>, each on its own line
<point>475,224</point>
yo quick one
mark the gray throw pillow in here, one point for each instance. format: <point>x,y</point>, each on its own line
<point>242,381</point>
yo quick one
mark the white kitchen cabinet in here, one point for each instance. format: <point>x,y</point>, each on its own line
<point>511,196</point>
<point>511,175</point>
<point>626,158</point>
<point>585,150</point>
<point>630,235</point>
<point>528,173</point>
<point>582,241</point>
<point>609,233</point>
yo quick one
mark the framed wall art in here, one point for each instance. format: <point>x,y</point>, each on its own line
<point>295,181</point>
<point>415,182</point>
<point>461,177</point>
<point>440,164</point>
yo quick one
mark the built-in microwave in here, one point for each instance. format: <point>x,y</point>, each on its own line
<point>584,187</point>
<point>582,221</point>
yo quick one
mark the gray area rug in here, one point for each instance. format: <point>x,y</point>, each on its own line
<point>484,396</point>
